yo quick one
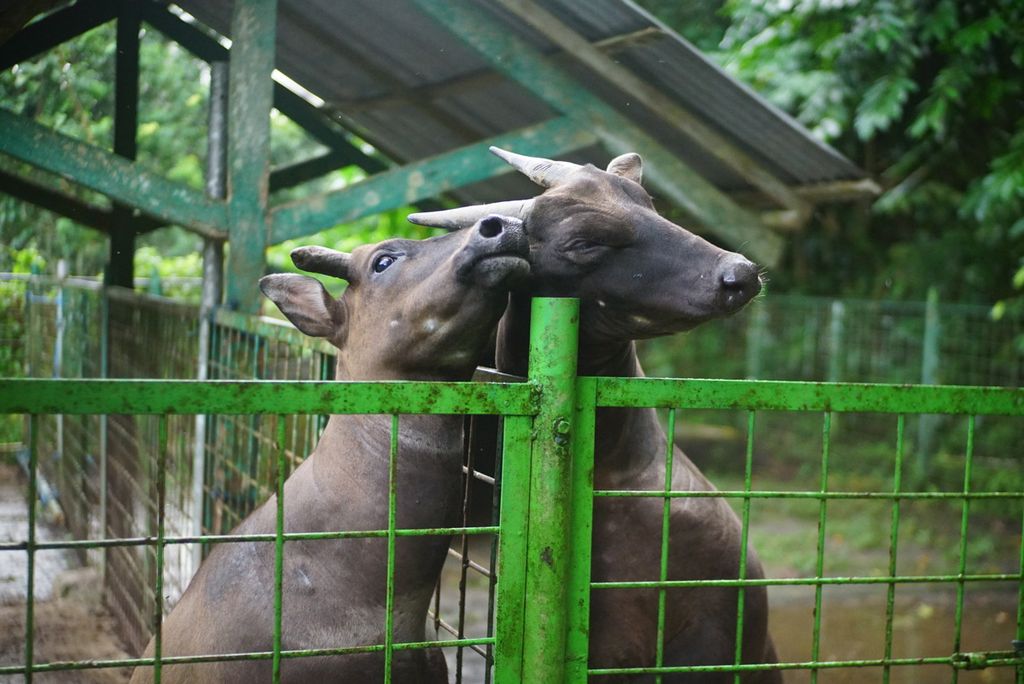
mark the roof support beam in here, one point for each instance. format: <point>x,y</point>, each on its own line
<point>518,60</point>
<point>316,122</point>
<point>484,77</point>
<point>84,213</point>
<point>304,114</point>
<point>669,110</point>
<point>114,176</point>
<point>426,178</point>
<point>250,98</point>
<point>300,172</point>
<point>120,268</point>
<point>57,28</point>
<point>70,207</point>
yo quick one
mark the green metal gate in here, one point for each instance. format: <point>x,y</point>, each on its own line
<point>547,495</point>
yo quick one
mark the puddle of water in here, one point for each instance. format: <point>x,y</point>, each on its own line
<point>853,627</point>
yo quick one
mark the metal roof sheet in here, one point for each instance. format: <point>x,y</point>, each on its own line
<point>403,82</point>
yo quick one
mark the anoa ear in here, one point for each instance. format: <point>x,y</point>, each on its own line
<point>628,165</point>
<point>305,302</point>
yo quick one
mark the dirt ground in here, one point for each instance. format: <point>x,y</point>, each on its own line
<point>69,623</point>
<point>64,630</point>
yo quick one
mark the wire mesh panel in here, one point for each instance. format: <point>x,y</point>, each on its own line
<point>238,474</point>
<point>788,337</point>
<point>171,401</point>
<point>872,576</point>
<point>883,561</point>
<point>155,337</point>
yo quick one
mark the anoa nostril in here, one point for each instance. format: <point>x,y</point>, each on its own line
<point>738,276</point>
<point>491,227</point>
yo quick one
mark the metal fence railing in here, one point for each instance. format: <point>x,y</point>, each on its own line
<point>542,593</point>
<point>103,469</point>
<point>896,651</point>
<point>793,337</point>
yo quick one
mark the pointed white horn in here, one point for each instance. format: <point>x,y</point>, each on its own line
<point>322,260</point>
<point>464,217</point>
<point>544,172</point>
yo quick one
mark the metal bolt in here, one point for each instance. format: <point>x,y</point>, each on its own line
<point>562,426</point>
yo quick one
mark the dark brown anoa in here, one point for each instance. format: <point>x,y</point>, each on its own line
<point>415,310</point>
<point>595,235</point>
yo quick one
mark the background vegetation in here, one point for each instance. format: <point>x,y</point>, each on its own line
<point>926,96</point>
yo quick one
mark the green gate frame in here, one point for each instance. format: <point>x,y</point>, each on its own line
<point>544,537</point>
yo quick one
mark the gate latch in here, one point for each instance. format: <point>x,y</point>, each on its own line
<point>985,659</point>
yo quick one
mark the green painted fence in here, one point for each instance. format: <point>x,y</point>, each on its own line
<point>542,582</point>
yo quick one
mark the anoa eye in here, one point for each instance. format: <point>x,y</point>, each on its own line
<point>382,262</point>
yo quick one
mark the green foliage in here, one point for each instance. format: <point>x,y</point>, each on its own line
<point>928,97</point>
<point>12,348</point>
<point>71,88</point>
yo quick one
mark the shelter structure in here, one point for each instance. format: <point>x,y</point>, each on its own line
<point>430,84</point>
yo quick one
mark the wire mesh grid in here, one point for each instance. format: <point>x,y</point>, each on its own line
<point>157,338</point>
<point>788,337</point>
<point>154,479</point>
<point>158,544</point>
<point>933,592</point>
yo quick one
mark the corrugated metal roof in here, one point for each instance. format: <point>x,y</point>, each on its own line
<point>412,90</point>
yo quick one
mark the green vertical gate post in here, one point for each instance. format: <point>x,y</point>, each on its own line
<point>577,647</point>
<point>554,338</point>
<point>253,31</point>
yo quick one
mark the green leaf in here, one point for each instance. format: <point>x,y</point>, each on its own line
<point>882,105</point>
<point>979,33</point>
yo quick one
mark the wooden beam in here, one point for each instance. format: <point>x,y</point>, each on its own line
<point>839,191</point>
<point>118,178</point>
<point>83,213</point>
<point>518,60</point>
<point>306,170</point>
<point>52,30</point>
<point>816,193</point>
<point>250,98</point>
<point>426,178</point>
<point>657,102</point>
<point>120,267</point>
<point>188,36</point>
<point>483,77</point>
<point>319,127</point>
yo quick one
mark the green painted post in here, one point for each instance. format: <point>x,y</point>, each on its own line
<point>577,647</point>
<point>553,347</point>
<point>253,31</point>
<point>515,479</point>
